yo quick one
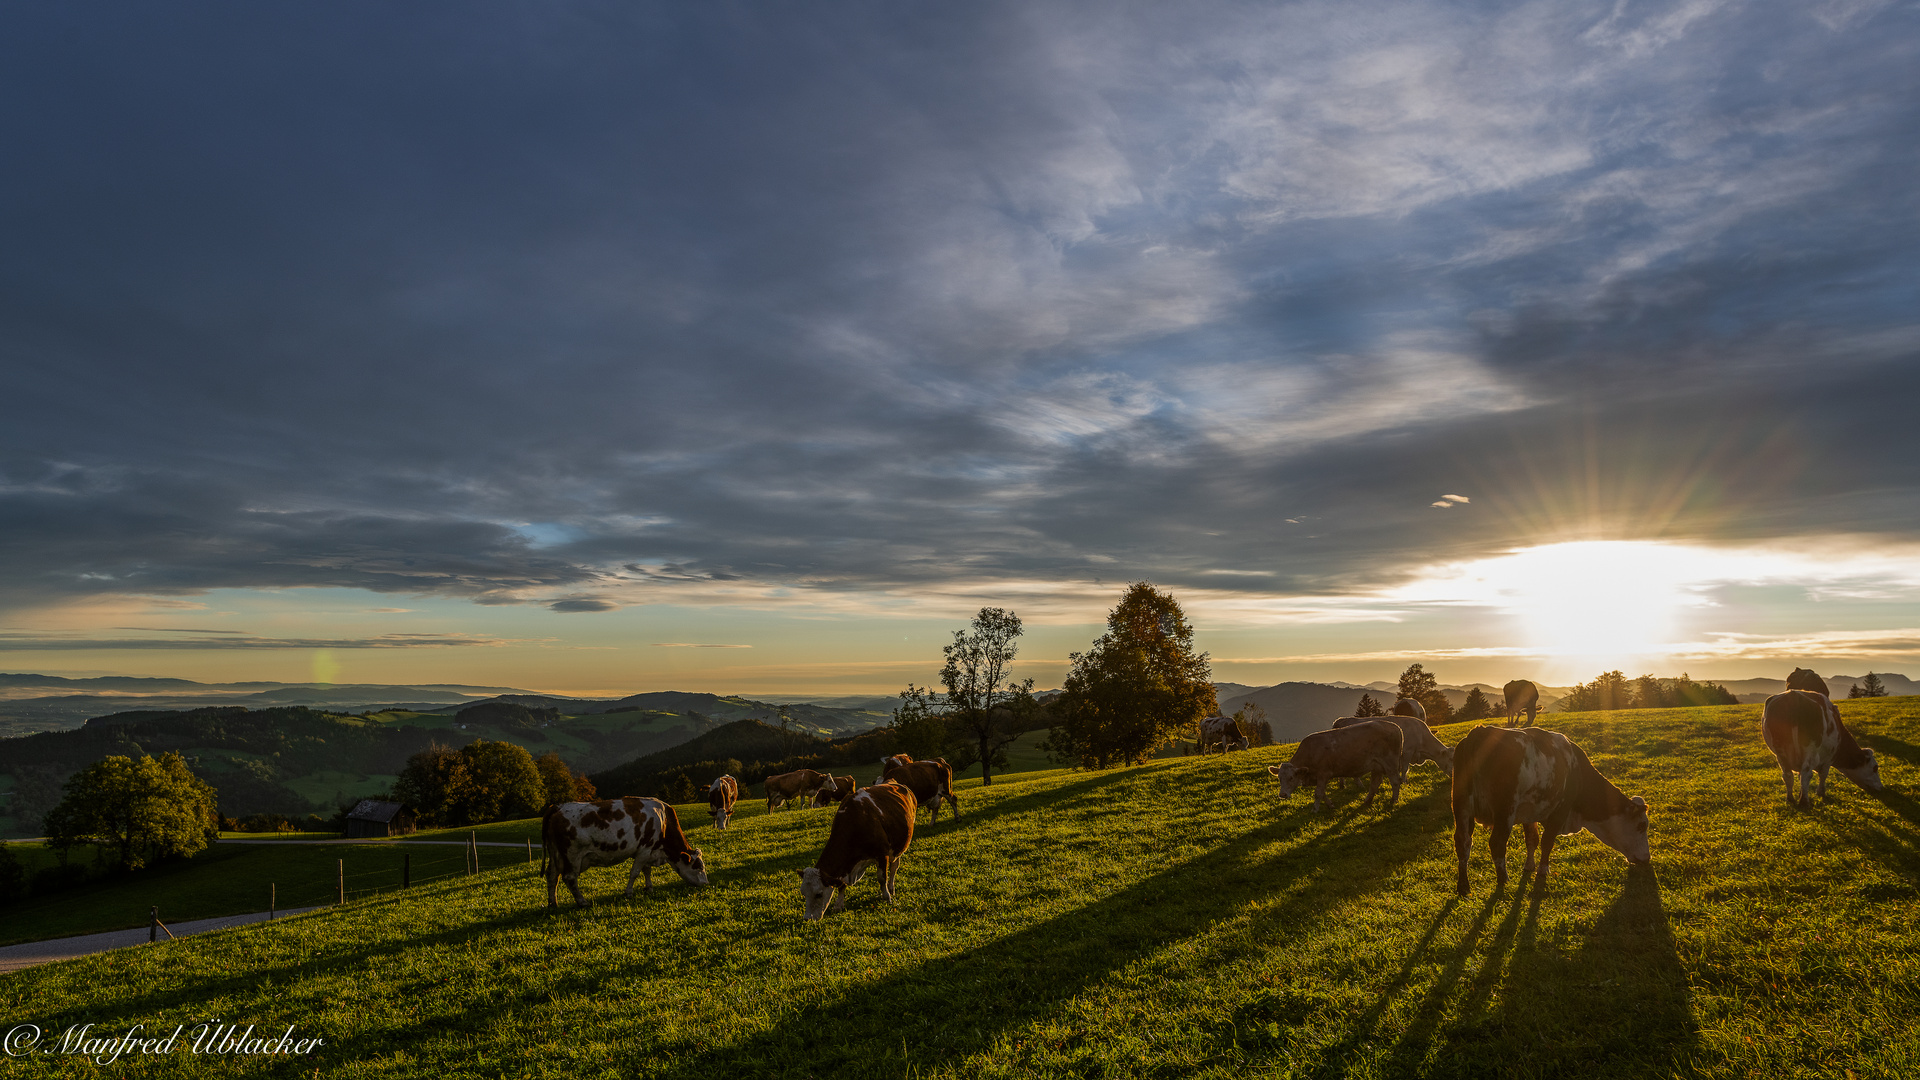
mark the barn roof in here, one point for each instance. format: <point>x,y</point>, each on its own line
<point>375,810</point>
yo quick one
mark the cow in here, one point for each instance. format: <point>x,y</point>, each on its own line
<point>1541,780</point>
<point>721,795</point>
<point>577,835</point>
<point>1522,697</point>
<point>889,762</point>
<point>1419,745</point>
<point>1407,706</point>
<point>835,792</point>
<point>794,786</point>
<point>874,825</point>
<point>1804,731</point>
<point>1369,748</point>
<point>1805,679</point>
<point>1221,731</point>
<point>930,781</point>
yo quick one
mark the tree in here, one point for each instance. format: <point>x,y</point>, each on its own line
<point>13,876</point>
<point>1420,685</point>
<point>506,782</point>
<point>1871,686</point>
<point>437,785</point>
<point>1251,720</point>
<point>562,784</point>
<point>977,683</point>
<point>1608,690</point>
<point>1138,685</point>
<point>1476,707</point>
<point>919,729</point>
<point>1369,707</point>
<point>141,809</point>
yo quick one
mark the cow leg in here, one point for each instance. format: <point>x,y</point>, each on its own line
<point>633,875</point>
<point>573,884</point>
<point>888,866</point>
<point>1320,796</point>
<point>1787,775</point>
<point>1823,783</point>
<point>1499,832</point>
<point>839,899</point>
<point>1462,845</point>
<point>1394,799</point>
<point>955,800</point>
<point>1375,789</point>
<point>1533,841</point>
<point>1806,786</point>
<point>553,884</point>
<point>1532,711</point>
<point>1546,852</point>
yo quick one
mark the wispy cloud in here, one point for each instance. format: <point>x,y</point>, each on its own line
<point>694,645</point>
<point>60,643</point>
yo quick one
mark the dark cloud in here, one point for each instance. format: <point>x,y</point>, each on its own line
<point>633,301</point>
<point>60,643</point>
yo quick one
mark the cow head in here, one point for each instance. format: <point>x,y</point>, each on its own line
<point>817,891</point>
<point>1290,776</point>
<point>1444,759</point>
<point>1867,775</point>
<point>1626,831</point>
<point>690,865</point>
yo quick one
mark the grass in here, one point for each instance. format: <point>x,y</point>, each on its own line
<point>1171,920</point>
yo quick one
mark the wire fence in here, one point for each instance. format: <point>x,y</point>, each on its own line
<point>363,873</point>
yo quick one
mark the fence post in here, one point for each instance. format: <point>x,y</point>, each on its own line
<point>406,870</point>
<point>153,925</point>
<point>343,882</point>
<point>473,852</point>
<point>529,851</point>
<point>273,899</point>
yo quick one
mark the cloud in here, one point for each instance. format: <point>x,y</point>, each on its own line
<point>752,313</point>
<point>590,603</point>
<point>14,641</point>
<point>690,645</point>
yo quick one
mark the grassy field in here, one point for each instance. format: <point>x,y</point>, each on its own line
<point>1171,920</point>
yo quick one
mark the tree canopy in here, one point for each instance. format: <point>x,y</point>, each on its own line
<point>142,809</point>
<point>481,782</point>
<point>1138,685</point>
<point>1419,684</point>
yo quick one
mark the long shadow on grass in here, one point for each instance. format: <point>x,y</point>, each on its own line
<point>1617,1007</point>
<point>944,1010</point>
<point>1893,848</point>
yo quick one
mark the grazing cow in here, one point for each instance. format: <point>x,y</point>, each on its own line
<point>577,835</point>
<point>1522,697</point>
<point>1369,748</point>
<point>1539,779</point>
<point>835,792</point>
<point>874,825</point>
<point>794,786</point>
<point>1407,706</point>
<point>1805,679</point>
<point>1804,731</point>
<point>1419,745</point>
<point>1223,732</point>
<point>721,795</point>
<point>889,762</point>
<point>930,781</point>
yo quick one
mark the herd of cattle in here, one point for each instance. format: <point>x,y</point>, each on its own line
<point>1502,776</point>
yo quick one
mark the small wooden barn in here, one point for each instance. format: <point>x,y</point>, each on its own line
<point>375,818</point>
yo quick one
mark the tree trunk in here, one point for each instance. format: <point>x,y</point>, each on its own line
<point>986,763</point>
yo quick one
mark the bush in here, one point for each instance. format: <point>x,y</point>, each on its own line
<point>13,876</point>
<point>59,878</point>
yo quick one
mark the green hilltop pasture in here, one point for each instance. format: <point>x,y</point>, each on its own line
<point>1171,920</point>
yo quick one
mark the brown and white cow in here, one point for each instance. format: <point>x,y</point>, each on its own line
<point>889,762</point>
<point>1541,780</point>
<point>577,835</point>
<point>794,786</point>
<point>1223,732</point>
<point>1371,747</point>
<point>835,792</point>
<point>1521,697</point>
<point>1419,743</point>
<point>1407,706</point>
<point>1804,731</point>
<point>1807,679</point>
<point>930,781</point>
<point>874,825</point>
<point>721,795</point>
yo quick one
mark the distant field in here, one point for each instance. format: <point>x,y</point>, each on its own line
<point>1171,920</point>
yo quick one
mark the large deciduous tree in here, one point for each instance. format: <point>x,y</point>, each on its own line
<point>562,783</point>
<point>1419,684</point>
<point>1138,685</point>
<point>979,690</point>
<point>141,809</point>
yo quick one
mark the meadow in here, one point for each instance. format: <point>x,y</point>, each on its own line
<point>1175,919</point>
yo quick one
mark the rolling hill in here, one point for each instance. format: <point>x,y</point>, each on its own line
<point>1175,919</point>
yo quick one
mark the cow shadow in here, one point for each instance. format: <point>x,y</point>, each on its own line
<point>1597,1010</point>
<point>945,1010</point>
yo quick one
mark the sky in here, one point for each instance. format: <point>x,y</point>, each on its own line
<point>599,348</point>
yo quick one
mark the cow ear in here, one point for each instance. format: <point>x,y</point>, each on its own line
<point>1639,802</point>
<point>801,874</point>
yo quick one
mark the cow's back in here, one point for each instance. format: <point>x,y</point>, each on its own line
<point>1797,726</point>
<point>1351,750</point>
<point>1512,775</point>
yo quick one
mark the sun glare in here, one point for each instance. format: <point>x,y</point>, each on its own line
<point>1594,599</point>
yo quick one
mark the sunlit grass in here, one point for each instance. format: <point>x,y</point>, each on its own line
<point>1171,920</point>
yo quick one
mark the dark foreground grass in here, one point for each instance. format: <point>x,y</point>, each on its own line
<point>1172,920</point>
